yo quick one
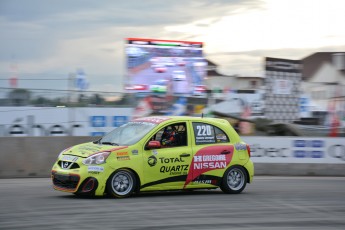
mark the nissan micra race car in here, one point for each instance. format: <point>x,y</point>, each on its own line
<point>156,154</point>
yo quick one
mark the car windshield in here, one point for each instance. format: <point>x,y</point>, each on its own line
<point>127,134</point>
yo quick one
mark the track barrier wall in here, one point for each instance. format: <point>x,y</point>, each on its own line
<point>281,156</point>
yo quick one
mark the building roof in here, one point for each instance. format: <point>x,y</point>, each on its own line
<point>212,70</point>
<point>210,63</point>
<point>214,73</point>
<point>313,62</point>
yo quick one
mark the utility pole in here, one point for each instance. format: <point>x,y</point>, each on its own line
<point>69,108</point>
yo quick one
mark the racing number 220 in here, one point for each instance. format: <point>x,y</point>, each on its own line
<point>204,130</point>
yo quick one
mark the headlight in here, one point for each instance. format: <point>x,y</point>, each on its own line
<point>96,159</point>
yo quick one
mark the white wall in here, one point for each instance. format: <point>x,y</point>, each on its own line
<point>52,121</point>
<point>318,89</point>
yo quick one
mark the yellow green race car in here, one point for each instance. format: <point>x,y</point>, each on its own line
<point>156,154</point>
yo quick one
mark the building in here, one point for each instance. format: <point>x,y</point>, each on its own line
<point>218,82</point>
<point>323,77</point>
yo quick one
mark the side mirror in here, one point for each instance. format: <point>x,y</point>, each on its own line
<point>153,145</point>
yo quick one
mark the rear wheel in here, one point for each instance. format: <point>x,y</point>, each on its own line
<point>234,180</point>
<point>121,183</point>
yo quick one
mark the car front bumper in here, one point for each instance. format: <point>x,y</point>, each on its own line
<point>80,181</point>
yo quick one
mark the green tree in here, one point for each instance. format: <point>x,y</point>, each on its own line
<point>19,97</point>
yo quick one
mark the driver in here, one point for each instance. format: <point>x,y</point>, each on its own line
<point>169,137</point>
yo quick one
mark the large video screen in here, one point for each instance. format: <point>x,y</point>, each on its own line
<point>165,67</point>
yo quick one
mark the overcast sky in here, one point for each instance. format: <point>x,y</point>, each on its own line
<point>52,38</point>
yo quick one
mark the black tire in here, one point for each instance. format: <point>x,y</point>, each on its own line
<point>234,180</point>
<point>121,184</point>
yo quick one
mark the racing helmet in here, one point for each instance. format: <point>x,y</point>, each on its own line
<point>169,136</point>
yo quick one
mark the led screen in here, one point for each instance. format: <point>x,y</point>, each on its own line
<point>165,67</point>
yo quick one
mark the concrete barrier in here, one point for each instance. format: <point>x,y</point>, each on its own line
<point>34,157</point>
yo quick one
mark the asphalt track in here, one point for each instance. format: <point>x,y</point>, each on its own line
<point>267,203</point>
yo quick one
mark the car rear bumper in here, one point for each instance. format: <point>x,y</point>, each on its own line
<point>250,169</point>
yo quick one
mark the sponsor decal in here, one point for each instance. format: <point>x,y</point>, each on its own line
<point>69,158</point>
<point>152,161</point>
<point>175,169</point>
<point>94,168</point>
<point>221,137</point>
<point>119,154</point>
<point>154,152</point>
<point>208,159</point>
<point>240,146</point>
<point>123,158</point>
<point>181,169</point>
<point>207,179</point>
<point>65,164</point>
<point>168,160</point>
<point>135,152</point>
<point>85,149</point>
<point>203,133</point>
<point>155,120</point>
<point>203,181</point>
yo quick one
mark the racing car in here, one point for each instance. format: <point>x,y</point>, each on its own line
<point>157,153</point>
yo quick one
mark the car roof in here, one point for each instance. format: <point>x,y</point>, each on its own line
<point>183,118</point>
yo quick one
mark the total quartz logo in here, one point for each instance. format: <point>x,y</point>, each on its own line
<point>152,161</point>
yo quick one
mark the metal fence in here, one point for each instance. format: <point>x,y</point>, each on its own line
<point>68,98</point>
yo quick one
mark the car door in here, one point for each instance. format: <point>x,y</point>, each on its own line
<point>212,154</point>
<point>166,167</point>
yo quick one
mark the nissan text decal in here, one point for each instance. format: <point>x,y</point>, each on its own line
<point>207,159</point>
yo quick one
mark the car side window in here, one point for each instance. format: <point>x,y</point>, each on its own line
<point>173,135</point>
<point>208,134</point>
<point>221,137</point>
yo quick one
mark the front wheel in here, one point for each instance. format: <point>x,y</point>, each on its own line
<point>121,183</point>
<point>234,180</point>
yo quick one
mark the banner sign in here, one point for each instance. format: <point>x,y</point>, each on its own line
<point>282,92</point>
<point>54,121</point>
<point>297,149</point>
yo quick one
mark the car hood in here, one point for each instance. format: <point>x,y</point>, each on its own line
<point>87,149</point>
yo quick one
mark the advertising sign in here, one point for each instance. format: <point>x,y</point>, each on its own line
<point>164,67</point>
<point>297,149</point>
<point>52,121</point>
<point>282,85</point>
